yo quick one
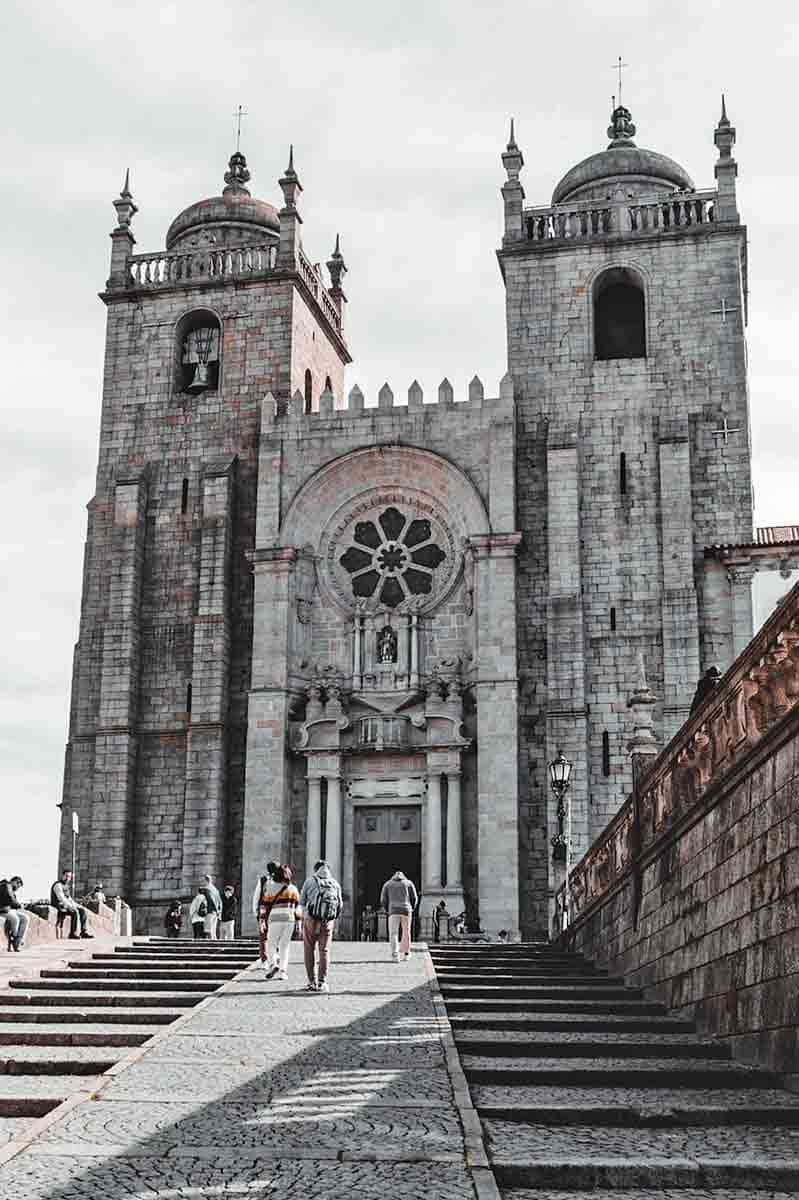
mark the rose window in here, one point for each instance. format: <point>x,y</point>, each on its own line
<point>394,557</point>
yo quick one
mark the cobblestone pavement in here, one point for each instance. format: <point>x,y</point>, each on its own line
<point>269,1089</point>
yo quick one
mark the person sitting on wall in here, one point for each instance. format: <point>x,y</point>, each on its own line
<point>61,899</point>
<point>13,915</point>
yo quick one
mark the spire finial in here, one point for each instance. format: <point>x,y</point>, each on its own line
<point>621,130</point>
<point>236,176</point>
<point>125,193</point>
<point>723,119</point>
<point>290,168</point>
<point>512,140</point>
<point>336,266</point>
<point>125,208</point>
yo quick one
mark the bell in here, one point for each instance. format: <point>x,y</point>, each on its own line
<point>200,380</point>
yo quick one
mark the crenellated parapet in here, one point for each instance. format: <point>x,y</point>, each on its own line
<point>474,401</point>
<point>756,694</point>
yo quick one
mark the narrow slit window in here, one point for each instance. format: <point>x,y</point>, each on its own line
<point>606,753</point>
<point>308,392</point>
<point>623,473</point>
<point>188,699</point>
<point>184,496</point>
<point>613,620</point>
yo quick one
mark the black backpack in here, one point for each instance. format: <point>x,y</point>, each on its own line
<point>325,904</point>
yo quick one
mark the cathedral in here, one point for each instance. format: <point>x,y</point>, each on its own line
<point>315,626</point>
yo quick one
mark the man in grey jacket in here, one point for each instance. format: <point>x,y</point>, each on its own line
<point>320,901</point>
<point>399,899</point>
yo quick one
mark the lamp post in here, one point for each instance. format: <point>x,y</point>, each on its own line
<point>560,770</point>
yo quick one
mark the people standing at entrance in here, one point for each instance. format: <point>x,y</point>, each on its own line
<point>61,899</point>
<point>12,914</point>
<point>214,907</point>
<point>399,898</point>
<point>258,897</point>
<point>368,924</point>
<point>320,901</point>
<point>173,919</point>
<point>230,907</point>
<point>198,911</point>
<point>278,911</point>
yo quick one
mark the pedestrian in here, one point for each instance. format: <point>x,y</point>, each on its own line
<point>399,898</point>
<point>61,899</point>
<point>12,914</point>
<point>262,885</point>
<point>173,919</point>
<point>440,920</point>
<point>198,912</point>
<point>320,901</point>
<point>230,906</point>
<point>278,909</point>
<point>214,907</point>
<point>368,924</point>
<point>96,895</point>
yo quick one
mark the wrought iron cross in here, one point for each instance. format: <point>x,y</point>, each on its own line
<point>618,66</point>
<point>725,308</point>
<point>725,432</point>
<point>240,112</point>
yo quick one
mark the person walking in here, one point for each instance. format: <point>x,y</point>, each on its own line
<point>214,907</point>
<point>61,899</point>
<point>278,911</point>
<point>320,901</point>
<point>12,914</point>
<point>198,911</point>
<point>173,919</point>
<point>399,898</point>
<point>227,920</point>
<point>259,893</point>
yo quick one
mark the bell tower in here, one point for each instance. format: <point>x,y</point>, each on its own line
<point>626,311</point>
<point>198,334</point>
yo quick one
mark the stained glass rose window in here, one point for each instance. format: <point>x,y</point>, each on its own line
<point>393,557</point>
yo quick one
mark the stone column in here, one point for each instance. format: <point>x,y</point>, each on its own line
<point>333,825</point>
<point>740,576</point>
<point>454,836</point>
<point>432,835</point>
<point>679,604</point>
<point>313,824</point>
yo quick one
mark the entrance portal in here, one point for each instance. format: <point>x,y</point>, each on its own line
<point>374,864</point>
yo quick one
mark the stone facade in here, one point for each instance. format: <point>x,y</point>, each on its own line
<point>312,626</point>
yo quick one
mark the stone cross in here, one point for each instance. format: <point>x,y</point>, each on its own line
<point>240,112</point>
<point>725,432</point>
<point>725,308</point>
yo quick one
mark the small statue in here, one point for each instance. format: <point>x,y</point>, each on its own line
<point>387,646</point>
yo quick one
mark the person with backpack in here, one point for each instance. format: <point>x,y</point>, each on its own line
<point>261,890</point>
<point>320,901</point>
<point>198,912</point>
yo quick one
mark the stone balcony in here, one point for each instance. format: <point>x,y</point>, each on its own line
<point>678,213</point>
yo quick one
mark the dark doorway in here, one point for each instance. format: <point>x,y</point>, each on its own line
<point>374,864</point>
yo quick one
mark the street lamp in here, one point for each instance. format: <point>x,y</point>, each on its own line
<point>560,770</point>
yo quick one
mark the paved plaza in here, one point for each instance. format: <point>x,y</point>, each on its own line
<point>266,1088</point>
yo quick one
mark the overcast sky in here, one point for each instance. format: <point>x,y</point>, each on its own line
<point>398,114</point>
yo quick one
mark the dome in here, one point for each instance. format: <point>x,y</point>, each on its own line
<point>622,163</point>
<point>234,218</point>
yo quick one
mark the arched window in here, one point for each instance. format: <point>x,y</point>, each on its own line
<point>619,316</point>
<point>198,347</point>
<point>308,391</point>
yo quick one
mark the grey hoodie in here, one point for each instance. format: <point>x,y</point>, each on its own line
<point>398,895</point>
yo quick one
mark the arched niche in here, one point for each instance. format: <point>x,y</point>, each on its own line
<point>198,352</point>
<point>619,315</point>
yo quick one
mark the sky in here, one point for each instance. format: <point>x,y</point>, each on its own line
<point>398,114</point>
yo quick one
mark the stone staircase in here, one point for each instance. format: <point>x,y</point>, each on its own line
<point>60,1031</point>
<point>582,1085</point>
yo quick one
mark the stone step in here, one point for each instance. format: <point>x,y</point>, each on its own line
<point>642,1193</point>
<point>531,992</point>
<point>68,1060</point>
<point>609,1024</point>
<point>592,1007</point>
<point>14,1127</point>
<point>33,1096</point>
<point>129,960</point>
<point>584,1157</point>
<point>122,999</point>
<point>50,1015</point>
<point>618,1072</point>
<point>600,983</point>
<point>67,981</point>
<point>505,971</point>
<point>67,1034</point>
<point>676,1112</point>
<point>162,971</point>
<point>588,1045</point>
<point>188,947</point>
<point>562,1105</point>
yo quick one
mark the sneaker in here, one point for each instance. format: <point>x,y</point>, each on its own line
<point>87,935</point>
<point>311,987</point>
<point>395,958</point>
<point>324,986</point>
<point>281,975</point>
<point>407,957</point>
<point>74,937</point>
<point>270,974</point>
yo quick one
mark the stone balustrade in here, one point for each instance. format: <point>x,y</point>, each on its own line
<point>153,271</point>
<point>680,211</point>
<point>315,284</point>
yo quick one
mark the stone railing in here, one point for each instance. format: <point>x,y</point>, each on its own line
<point>757,692</point>
<point>680,211</point>
<point>315,284</point>
<point>204,266</point>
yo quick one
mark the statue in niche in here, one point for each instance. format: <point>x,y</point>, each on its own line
<point>387,646</point>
